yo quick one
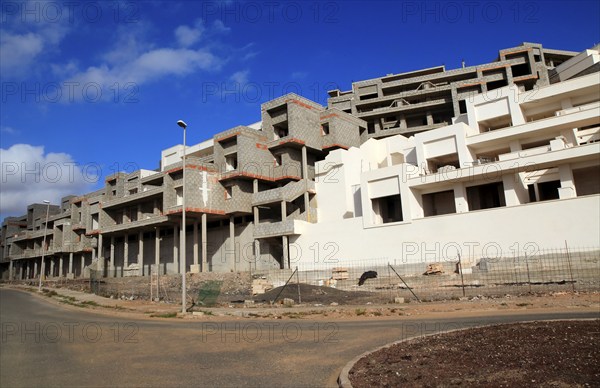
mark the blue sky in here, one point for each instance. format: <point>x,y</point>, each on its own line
<point>89,88</point>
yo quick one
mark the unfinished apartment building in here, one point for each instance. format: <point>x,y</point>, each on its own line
<point>421,100</point>
<point>247,190</point>
<point>250,190</point>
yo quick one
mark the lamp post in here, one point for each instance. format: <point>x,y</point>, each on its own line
<point>182,258</point>
<point>44,244</point>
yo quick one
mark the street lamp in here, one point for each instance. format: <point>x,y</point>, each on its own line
<point>44,244</point>
<point>182,259</point>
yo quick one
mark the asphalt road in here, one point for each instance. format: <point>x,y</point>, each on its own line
<point>46,345</point>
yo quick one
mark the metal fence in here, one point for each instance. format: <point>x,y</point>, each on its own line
<point>571,269</point>
<point>551,270</point>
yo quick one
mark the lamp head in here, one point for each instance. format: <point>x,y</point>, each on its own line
<point>46,202</point>
<point>182,124</point>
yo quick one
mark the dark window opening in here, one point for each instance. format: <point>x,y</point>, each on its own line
<point>435,204</point>
<point>231,162</point>
<point>586,180</point>
<point>281,130</point>
<point>537,58</point>
<point>520,70</point>
<point>325,129</point>
<point>486,196</point>
<point>462,106</point>
<point>368,96</point>
<point>548,190</point>
<point>496,84</point>
<point>387,209</point>
<point>531,191</point>
<point>370,127</point>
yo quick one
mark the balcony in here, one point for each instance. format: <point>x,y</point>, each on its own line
<point>281,228</point>
<point>288,192</point>
<point>132,198</point>
<point>147,221</point>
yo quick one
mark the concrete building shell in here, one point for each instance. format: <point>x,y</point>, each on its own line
<point>515,139</point>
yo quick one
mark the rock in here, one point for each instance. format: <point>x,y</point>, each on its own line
<point>398,300</point>
<point>288,302</point>
<point>334,304</point>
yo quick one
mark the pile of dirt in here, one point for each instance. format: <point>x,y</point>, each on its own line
<point>319,295</point>
<point>561,354</point>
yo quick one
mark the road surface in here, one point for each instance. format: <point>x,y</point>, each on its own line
<point>47,345</point>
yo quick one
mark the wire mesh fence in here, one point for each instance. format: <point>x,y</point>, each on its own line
<point>550,270</point>
<point>381,280</point>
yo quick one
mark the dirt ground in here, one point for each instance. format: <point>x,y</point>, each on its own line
<point>553,354</point>
<point>320,295</point>
<point>341,307</point>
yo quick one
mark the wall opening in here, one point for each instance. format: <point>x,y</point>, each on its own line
<point>587,180</point>
<point>435,204</point>
<point>486,196</point>
<point>387,209</point>
<point>231,163</point>
<point>548,190</point>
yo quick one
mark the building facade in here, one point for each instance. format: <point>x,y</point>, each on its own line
<point>404,167</point>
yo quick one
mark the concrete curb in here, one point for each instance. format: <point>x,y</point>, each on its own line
<point>344,380</point>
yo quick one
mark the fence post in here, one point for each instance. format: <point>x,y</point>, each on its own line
<point>569,263</point>
<point>528,276</point>
<point>409,289</point>
<point>298,280</point>
<point>462,280</point>
<point>285,285</point>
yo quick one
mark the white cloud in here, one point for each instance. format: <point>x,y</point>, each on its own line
<point>30,175</point>
<point>8,130</point>
<point>131,60</point>
<point>220,27</point>
<point>187,36</point>
<point>24,40</point>
<point>18,51</point>
<point>240,77</point>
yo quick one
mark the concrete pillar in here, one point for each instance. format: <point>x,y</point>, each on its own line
<point>139,211</point>
<point>403,122</point>
<point>35,270</point>
<point>232,241</point>
<point>515,146</point>
<point>60,266</point>
<point>304,163</point>
<point>283,211</point>
<point>27,270</point>
<point>20,271</point>
<point>51,267</point>
<point>70,274</point>
<point>176,248</point>
<point>195,268</point>
<point>125,253</point>
<point>460,198</point>
<point>111,267</point>
<point>284,242</point>
<point>140,258</point>
<point>567,184</point>
<point>204,244</point>
<point>10,270</point>
<point>157,249</point>
<point>100,254</point>
<point>256,254</point>
<point>82,255</point>
<point>429,118</point>
<point>307,206</point>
